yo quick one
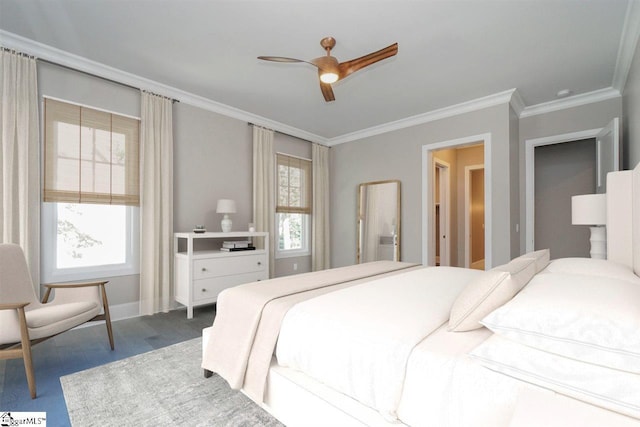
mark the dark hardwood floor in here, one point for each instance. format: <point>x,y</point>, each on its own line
<point>85,348</point>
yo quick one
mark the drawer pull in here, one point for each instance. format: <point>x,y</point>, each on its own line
<point>259,263</point>
<point>204,269</point>
<point>204,290</point>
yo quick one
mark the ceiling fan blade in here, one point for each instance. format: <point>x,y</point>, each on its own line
<point>327,92</point>
<point>354,65</point>
<point>279,59</point>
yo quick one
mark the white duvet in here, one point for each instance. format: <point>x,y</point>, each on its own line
<point>358,340</point>
<point>445,387</point>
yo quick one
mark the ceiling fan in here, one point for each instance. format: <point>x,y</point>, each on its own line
<point>330,70</point>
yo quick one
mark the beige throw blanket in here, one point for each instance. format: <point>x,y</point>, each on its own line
<point>248,318</point>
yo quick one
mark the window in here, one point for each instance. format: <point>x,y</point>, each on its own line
<point>90,195</point>
<point>87,241</point>
<point>293,208</point>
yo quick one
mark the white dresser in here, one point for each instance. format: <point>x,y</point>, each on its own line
<point>202,270</point>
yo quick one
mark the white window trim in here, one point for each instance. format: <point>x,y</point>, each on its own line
<point>51,274</point>
<point>306,237</point>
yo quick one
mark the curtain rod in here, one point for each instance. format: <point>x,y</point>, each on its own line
<point>101,77</point>
<point>281,133</point>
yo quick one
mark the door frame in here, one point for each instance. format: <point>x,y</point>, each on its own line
<point>445,222</point>
<point>530,146</point>
<point>467,212</point>
<point>428,184</point>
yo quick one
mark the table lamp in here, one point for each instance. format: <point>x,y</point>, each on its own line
<point>591,209</point>
<point>226,207</point>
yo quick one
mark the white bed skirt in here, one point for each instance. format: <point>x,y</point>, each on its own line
<point>299,401</point>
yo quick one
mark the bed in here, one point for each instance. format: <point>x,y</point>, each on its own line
<point>531,342</point>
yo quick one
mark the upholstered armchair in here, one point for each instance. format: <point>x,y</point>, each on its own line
<point>24,321</point>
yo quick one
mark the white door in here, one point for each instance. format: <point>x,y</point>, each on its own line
<point>442,215</point>
<point>607,153</point>
<point>473,218</point>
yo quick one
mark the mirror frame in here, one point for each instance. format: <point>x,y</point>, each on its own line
<point>398,216</point>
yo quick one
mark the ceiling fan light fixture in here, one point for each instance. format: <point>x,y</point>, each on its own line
<point>330,70</point>
<point>328,77</point>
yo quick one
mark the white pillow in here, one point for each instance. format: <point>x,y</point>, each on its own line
<point>541,256</point>
<point>589,318</point>
<point>591,267</point>
<point>488,292</point>
<point>605,387</point>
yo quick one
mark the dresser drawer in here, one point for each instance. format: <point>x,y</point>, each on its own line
<point>208,289</point>
<point>227,266</point>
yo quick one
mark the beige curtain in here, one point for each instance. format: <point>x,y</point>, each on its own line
<point>20,162</point>
<point>156,203</point>
<point>264,187</point>
<point>320,243</point>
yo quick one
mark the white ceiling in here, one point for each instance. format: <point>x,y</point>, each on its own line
<point>450,52</point>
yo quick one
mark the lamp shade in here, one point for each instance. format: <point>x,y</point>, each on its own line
<point>226,206</point>
<point>589,209</point>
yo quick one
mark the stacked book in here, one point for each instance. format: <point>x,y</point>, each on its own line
<point>237,245</point>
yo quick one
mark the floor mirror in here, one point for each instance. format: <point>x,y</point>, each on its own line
<point>378,221</point>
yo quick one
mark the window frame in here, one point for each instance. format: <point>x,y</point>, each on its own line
<point>51,274</point>
<point>305,211</point>
<point>306,238</point>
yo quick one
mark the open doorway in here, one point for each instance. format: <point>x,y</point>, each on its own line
<point>561,171</point>
<point>572,163</point>
<point>446,227</point>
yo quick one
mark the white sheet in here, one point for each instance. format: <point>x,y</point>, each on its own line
<point>539,407</point>
<point>358,340</point>
<point>608,388</point>
<point>444,387</point>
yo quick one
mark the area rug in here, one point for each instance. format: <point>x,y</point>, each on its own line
<point>164,387</point>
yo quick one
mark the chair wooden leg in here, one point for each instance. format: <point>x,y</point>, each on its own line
<point>26,353</point>
<point>107,316</point>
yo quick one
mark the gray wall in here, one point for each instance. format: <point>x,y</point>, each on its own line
<point>295,147</point>
<point>398,155</point>
<point>209,146</point>
<point>562,171</point>
<point>212,160</point>
<point>584,117</point>
<point>631,120</point>
<point>76,87</point>
<point>514,180</point>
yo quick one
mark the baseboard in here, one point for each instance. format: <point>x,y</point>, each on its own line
<point>127,311</point>
<point>124,311</point>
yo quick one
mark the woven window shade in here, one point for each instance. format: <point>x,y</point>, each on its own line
<point>293,185</point>
<point>90,156</point>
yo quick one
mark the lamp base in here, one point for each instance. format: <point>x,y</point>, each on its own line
<point>226,224</point>
<point>598,242</point>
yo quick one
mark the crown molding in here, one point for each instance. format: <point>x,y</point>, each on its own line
<point>517,103</point>
<point>571,102</point>
<point>66,59</point>
<point>76,62</point>
<point>631,31</point>
<point>628,43</point>
<point>442,113</point>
